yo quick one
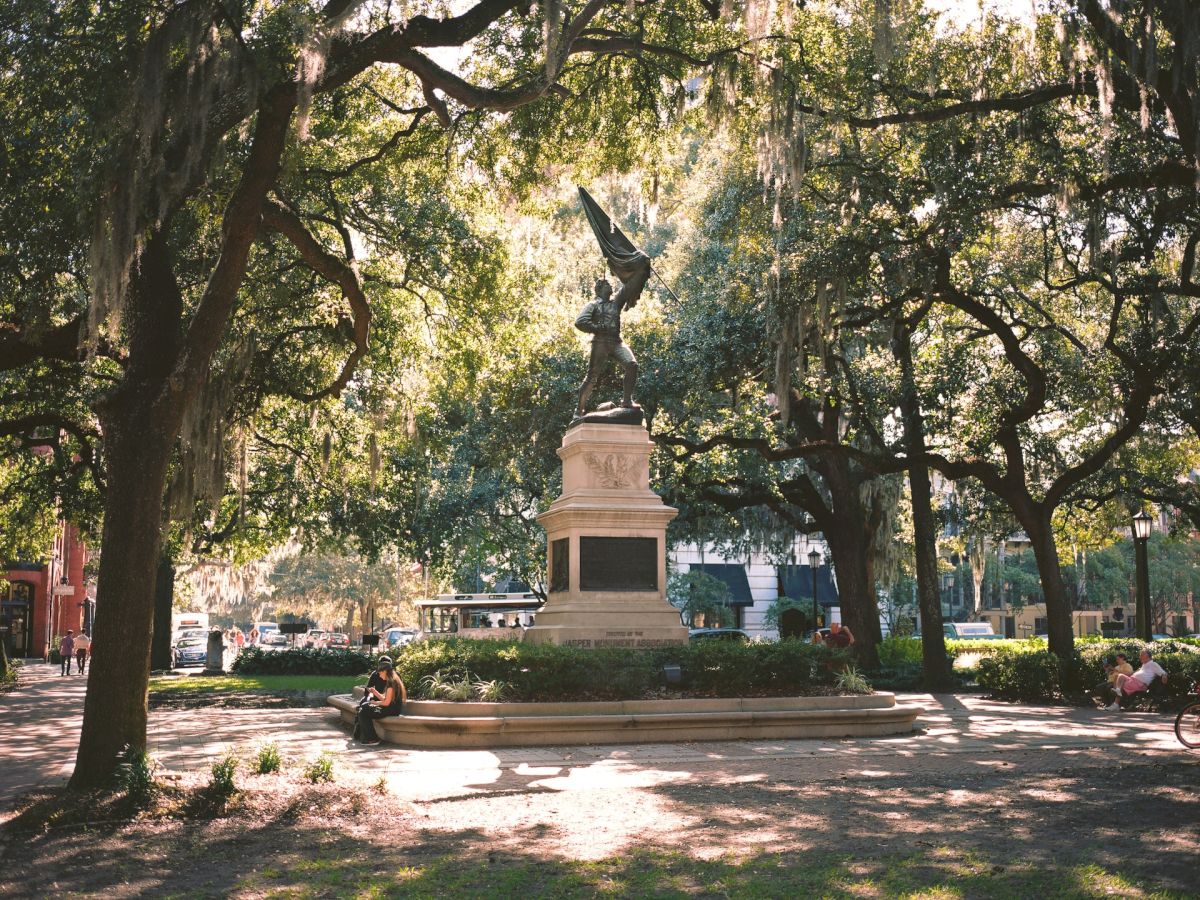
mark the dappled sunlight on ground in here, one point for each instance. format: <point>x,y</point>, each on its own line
<point>1014,790</point>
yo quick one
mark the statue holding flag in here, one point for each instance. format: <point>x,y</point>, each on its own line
<point>602,317</point>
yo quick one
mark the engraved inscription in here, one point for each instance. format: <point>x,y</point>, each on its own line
<point>618,564</point>
<point>612,470</point>
<point>560,564</point>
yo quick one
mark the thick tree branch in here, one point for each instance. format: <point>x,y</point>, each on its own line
<point>239,228</point>
<point>278,217</point>
<point>20,347</point>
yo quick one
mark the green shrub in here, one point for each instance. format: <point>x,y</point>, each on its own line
<point>267,760</point>
<point>896,651</point>
<point>494,691</point>
<point>8,670</point>
<point>546,672</point>
<point>441,686</point>
<point>135,773</point>
<point>223,771</point>
<point>1030,676</point>
<point>320,769</point>
<point>1027,671</point>
<point>852,681</point>
<point>306,661</point>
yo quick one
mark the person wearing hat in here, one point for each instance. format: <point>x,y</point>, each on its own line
<point>385,696</point>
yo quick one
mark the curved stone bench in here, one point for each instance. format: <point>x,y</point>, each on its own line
<point>430,723</point>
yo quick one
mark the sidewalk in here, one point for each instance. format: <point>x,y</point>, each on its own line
<point>959,733</point>
<point>39,728</point>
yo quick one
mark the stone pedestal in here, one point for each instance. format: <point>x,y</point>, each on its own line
<point>607,562</point>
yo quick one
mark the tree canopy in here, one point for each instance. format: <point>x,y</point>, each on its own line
<point>293,271</point>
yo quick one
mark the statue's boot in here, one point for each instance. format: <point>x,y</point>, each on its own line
<point>629,382</point>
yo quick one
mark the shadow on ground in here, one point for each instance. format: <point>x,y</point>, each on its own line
<point>1002,833</point>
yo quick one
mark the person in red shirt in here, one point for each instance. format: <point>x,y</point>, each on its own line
<point>839,636</point>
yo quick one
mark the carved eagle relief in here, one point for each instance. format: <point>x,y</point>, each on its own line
<point>613,470</point>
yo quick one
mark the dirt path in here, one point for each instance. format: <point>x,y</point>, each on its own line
<point>992,799</point>
<point>1009,822</point>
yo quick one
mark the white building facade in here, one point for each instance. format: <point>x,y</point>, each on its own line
<point>757,580</point>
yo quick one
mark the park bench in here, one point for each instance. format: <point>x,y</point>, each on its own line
<point>1153,699</point>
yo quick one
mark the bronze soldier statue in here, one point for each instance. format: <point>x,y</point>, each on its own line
<point>602,319</point>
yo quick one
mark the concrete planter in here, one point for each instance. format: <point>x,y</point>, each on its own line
<point>429,723</point>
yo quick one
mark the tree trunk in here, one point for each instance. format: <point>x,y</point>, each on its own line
<point>977,556</point>
<point>114,713</point>
<point>164,597</point>
<point>935,666</point>
<point>856,592</point>
<point>141,421</point>
<point>1058,610</point>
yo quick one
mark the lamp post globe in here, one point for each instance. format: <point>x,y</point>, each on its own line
<point>1141,525</point>
<point>1141,534</point>
<point>814,560</point>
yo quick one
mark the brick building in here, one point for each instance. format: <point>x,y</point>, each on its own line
<point>44,599</point>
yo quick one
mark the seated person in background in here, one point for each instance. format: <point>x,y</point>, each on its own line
<point>1113,666</point>
<point>1128,685</point>
<point>839,636</point>
<point>385,696</point>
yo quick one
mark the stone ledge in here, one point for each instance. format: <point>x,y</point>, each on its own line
<point>480,725</point>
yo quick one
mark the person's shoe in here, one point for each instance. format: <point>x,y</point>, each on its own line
<point>1113,707</point>
<point>370,743</point>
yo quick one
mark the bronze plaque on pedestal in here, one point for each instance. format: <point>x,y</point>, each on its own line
<point>560,565</point>
<point>618,564</point>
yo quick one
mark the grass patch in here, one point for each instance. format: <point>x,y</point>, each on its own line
<point>195,686</point>
<point>938,872</point>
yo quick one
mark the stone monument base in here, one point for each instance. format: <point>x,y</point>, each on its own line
<point>607,546</point>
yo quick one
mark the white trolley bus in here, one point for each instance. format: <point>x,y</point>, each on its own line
<point>499,616</point>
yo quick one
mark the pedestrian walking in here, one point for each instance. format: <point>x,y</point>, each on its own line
<point>83,649</point>
<point>66,651</point>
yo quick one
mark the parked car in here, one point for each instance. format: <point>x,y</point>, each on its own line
<point>338,641</point>
<point>718,634</point>
<point>398,637</point>
<point>316,639</point>
<point>971,631</point>
<point>190,651</point>
<point>276,641</point>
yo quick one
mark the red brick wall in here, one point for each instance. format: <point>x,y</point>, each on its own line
<point>67,610</point>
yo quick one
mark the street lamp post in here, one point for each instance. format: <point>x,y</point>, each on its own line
<point>1141,533</point>
<point>814,558</point>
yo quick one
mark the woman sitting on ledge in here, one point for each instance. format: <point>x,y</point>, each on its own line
<point>385,696</point>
